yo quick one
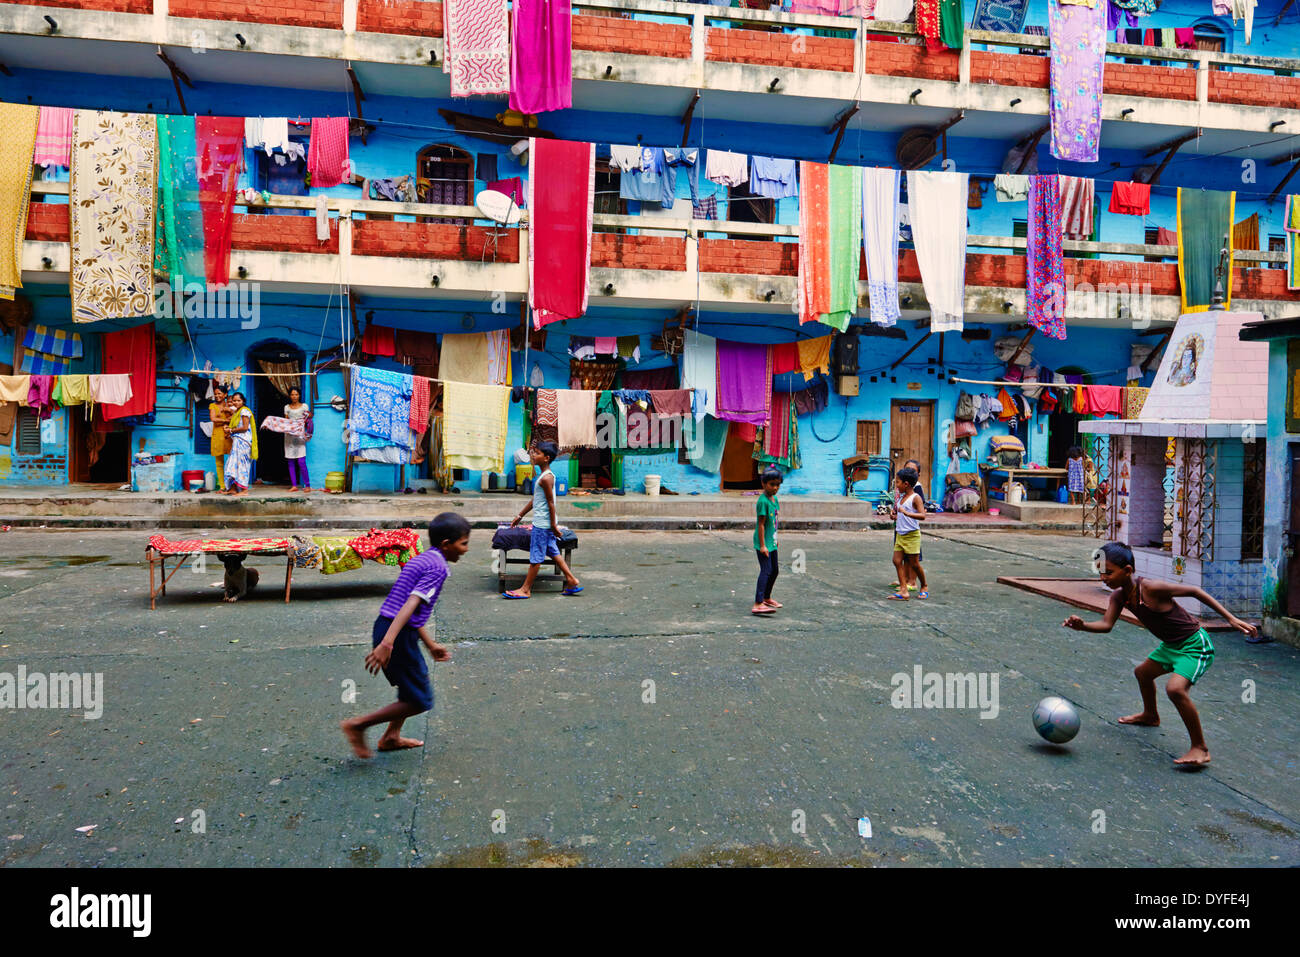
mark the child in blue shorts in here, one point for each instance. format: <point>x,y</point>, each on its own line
<point>398,633</point>
<point>542,545</point>
<point>1184,648</point>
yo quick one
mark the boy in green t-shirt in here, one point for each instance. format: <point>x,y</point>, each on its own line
<point>765,542</point>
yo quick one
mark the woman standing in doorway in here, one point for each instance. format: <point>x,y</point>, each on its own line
<point>295,446</point>
<point>243,445</point>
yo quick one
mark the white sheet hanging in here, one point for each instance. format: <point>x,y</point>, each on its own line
<point>937,202</point>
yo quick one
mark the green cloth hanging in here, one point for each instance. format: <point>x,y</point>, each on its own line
<point>951,29</point>
<point>178,246</point>
<point>845,195</point>
<point>1204,225</point>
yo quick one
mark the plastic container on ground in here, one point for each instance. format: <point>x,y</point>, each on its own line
<point>155,477</point>
<point>652,484</point>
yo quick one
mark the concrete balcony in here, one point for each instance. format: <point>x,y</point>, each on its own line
<point>664,265</point>
<point>640,66</point>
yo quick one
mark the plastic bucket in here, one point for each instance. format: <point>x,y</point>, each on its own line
<point>994,511</point>
<point>523,473</point>
<point>1015,493</point>
<point>190,476</point>
<point>652,484</point>
<point>333,481</point>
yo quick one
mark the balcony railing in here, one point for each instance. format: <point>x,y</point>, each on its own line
<point>346,209</point>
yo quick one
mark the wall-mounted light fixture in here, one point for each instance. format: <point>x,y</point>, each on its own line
<point>1275,124</point>
<point>54,24</point>
<point>243,272</point>
<point>906,300</point>
<point>914,94</point>
<point>1006,306</point>
<point>1123,114</point>
<point>47,262</point>
<point>240,38</point>
<point>771,87</point>
<point>609,70</point>
<point>609,289</point>
<point>1015,101</point>
<point>435,281</point>
<point>769,295</point>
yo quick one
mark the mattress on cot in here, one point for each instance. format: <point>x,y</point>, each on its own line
<point>519,538</point>
<point>191,545</point>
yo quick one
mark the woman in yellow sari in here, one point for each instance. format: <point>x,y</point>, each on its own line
<point>219,413</point>
<point>242,430</point>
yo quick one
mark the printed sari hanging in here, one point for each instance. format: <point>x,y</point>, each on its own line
<point>830,235</point>
<point>1078,57</point>
<point>18,123</point>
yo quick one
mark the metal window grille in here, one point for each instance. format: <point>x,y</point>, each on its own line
<point>1171,501</point>
<point>1099,504</point>
<point>1252,501</point>
<point>1196,475</point>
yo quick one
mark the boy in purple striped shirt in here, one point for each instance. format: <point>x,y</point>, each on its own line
<point>398,632</point>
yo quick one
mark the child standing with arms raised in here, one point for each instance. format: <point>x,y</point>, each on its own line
<point>765,510</point>
<point>398,633</point>
<point>908,511</point>
<point>1184,648</point>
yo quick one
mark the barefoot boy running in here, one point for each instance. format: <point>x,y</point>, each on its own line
<point>1184,647</point>
<point>398,632</point>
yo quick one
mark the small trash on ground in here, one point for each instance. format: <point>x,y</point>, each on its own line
<point>864,826</point>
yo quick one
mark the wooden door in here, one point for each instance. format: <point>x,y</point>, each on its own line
<point>738,470</point>
<point>1293,539</point>
<point>911,436</point>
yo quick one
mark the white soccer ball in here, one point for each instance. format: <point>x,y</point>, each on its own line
<point>1056,720</point>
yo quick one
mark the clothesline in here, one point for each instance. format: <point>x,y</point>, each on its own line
<point>1034,384</point>
<point>213,373</point>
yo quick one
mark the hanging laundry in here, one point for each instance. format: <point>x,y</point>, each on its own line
<point>15,388</point>
<point>1130,199</point>
<point>474,426</point>
<point>111,389</point>
<point>379,410</point>
<point>744,382</point>
<point>830,235</point>
<point>814,356</point>
<point>1077,206</point>
<point>1204,227</point>
<point>606,346</point>
<point>1238,10</point>
<point>894,11</point>
<point>53,137</point>
<point>999,16</point>
<point>726,168</point>
<point>813,399</point>
<point>1011,188</point>
<point>541,57</point>
<point>1044,261</point>
<point>880,218</point>
<point>936,203</point>
<point>952,17</point>
<point>777,432</point>
<point>700,370</point>
<point>130,354</point>
<point>785,358</point>
<point>466,357</point>
<point>1078,55</point>
<point>1166,237</point>
<point>559,247</point>
<point>1185,38</point>
<point>1100,400</point>
<point>477,47</point>
<point>705,208</point>
<point>626,159</point>
<point>50,351</point>
<point>629,347</point>
<point>1290,226</point>
<point>546,424</point>
<point>773,178</point>
<point>378,340</point>
<point>582,347</point>
<point>688,159</point>
<point>269,134</point>
<point>577,418</point>
<point>74,389</point>
<point>512,187</point>
<point>498,349</point>
<point>421,404</point>
<point>705,438</point>
<point>18,125</point>
<point>111,209</point>
<point>927,24</point>
<point>327,153</point>
<point>220,153</point>
<point>1245,234</point>
<point>655,181</point>
<point>1134,398</point>
<point>179,242</point>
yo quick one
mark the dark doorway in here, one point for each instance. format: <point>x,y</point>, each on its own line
<point>111,452</point>
<point>267,395</point>
<point>739,471</point>
<point>744,206</point>
<point>287,180</point>
<point>1063,428</point>
<point>1293,535</point>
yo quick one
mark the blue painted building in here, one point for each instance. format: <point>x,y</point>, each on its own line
<point>313,297</point>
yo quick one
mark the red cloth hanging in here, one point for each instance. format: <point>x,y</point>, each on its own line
<point>561,191</point>
<point>327,154</point>
<point>1130,199</point>
<point>1100,400</point>
<point>219,147</point>
<point>785,357</point>
<point>131,351</point>
<point>378,341</point>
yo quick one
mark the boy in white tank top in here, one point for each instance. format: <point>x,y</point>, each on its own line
<point>542,545</point>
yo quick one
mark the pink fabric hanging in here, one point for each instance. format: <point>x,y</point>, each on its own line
<point>561,191</point>
<point>541,56</point>
<point>219,148</point>
<point>54,137</point>
<point>327,155</point>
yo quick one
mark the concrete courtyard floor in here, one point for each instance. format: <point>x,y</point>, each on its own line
<point>547,747</point>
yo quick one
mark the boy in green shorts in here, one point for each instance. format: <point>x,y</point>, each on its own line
<point>908,511</point>
<point>1184,648</point>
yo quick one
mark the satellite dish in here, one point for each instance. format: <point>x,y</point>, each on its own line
<point>497,207</point>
